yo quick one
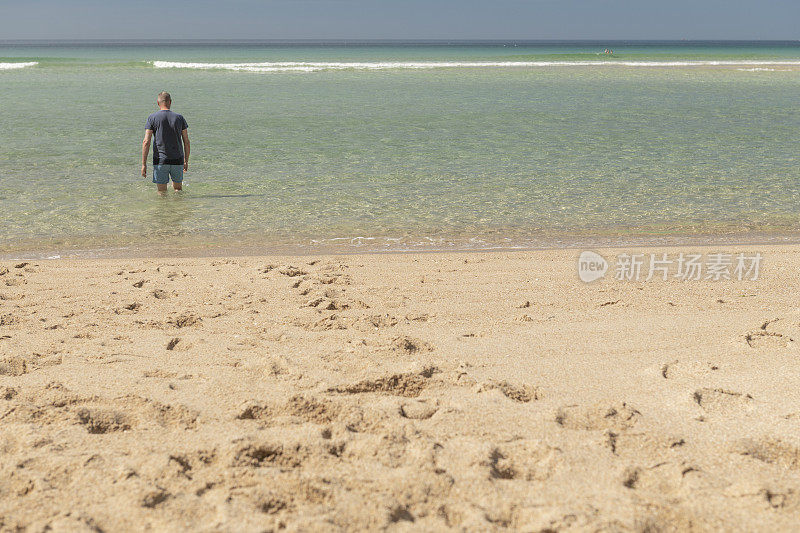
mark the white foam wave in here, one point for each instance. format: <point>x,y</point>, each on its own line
<point>762,69</point>
<point>302,66</point>
<point>9,66</point>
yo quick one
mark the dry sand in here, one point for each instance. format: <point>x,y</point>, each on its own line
<point>478,391</point>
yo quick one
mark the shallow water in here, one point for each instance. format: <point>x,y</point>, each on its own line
<point>336,147</point>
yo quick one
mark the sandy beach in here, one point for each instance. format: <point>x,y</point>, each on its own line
<point>444,391</point>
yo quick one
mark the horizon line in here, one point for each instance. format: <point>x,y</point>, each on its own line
<point>406,41</point>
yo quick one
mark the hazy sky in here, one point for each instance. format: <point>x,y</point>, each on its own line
<point>400,19</point>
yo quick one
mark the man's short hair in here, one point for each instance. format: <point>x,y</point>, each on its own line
<point>164,98</point>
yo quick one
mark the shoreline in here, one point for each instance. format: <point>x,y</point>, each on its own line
<point>296,250</point>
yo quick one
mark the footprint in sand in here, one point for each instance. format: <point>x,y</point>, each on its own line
<point>172,416</point>
<point>409,345</point>
<point>55,403</point>
<point>14,366</point>
<point>99,421</point>
<point>418,317</point>
<point>185,320</point>
<point>305,290</point>
<point>334,278</point>
<point>667,477</point>
<point>781,499</point>
<point>722,401</point>
<point>331,279</point>
<point>309,409</point>
<point>273,504</point>
<point>346,415</point>
<point>528,460</point>
<point>255,411</point>
<point>770,450</point>
<point>419,409</point>
<point>329,298</point>
<point>617,417</point>
<point>153,498</point>
<point>765,337</point>
<point>519,393</point>
<point>372,322</point>
<point>266,269</point>
<point>178,345</point>
<point>8,319</point>
<point>518,459</point>
<point>687,369</point>
<point>255,454</point>
<point>291,271</point>
<point>327,323</point>
<point>328,304</point>
<point>335,320</point>
<point>14,282</point>
<point>641,445</point>
<point>409,384</point>
<point>132,307</point>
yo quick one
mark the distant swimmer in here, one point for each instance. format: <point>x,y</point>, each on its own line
<point>171,150</point>
<point>608,51</point>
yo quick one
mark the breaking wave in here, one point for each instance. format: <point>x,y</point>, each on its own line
<point>302,66</point>
<point>763,69</point>
<point>10,66</point>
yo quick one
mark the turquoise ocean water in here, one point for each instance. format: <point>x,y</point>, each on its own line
<point>305,147</point>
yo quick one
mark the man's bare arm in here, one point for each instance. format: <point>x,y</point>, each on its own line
<point>148,137</point>
<point>185,137</point>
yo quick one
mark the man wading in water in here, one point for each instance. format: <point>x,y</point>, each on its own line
<point>170,159</point>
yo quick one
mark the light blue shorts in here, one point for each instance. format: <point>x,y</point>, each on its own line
<point>162,173</point>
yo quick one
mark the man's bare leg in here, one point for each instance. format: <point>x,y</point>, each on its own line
<point>162,188</point>
<point>175,185</point>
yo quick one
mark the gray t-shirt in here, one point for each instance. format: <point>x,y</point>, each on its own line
<point>167,127</point>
